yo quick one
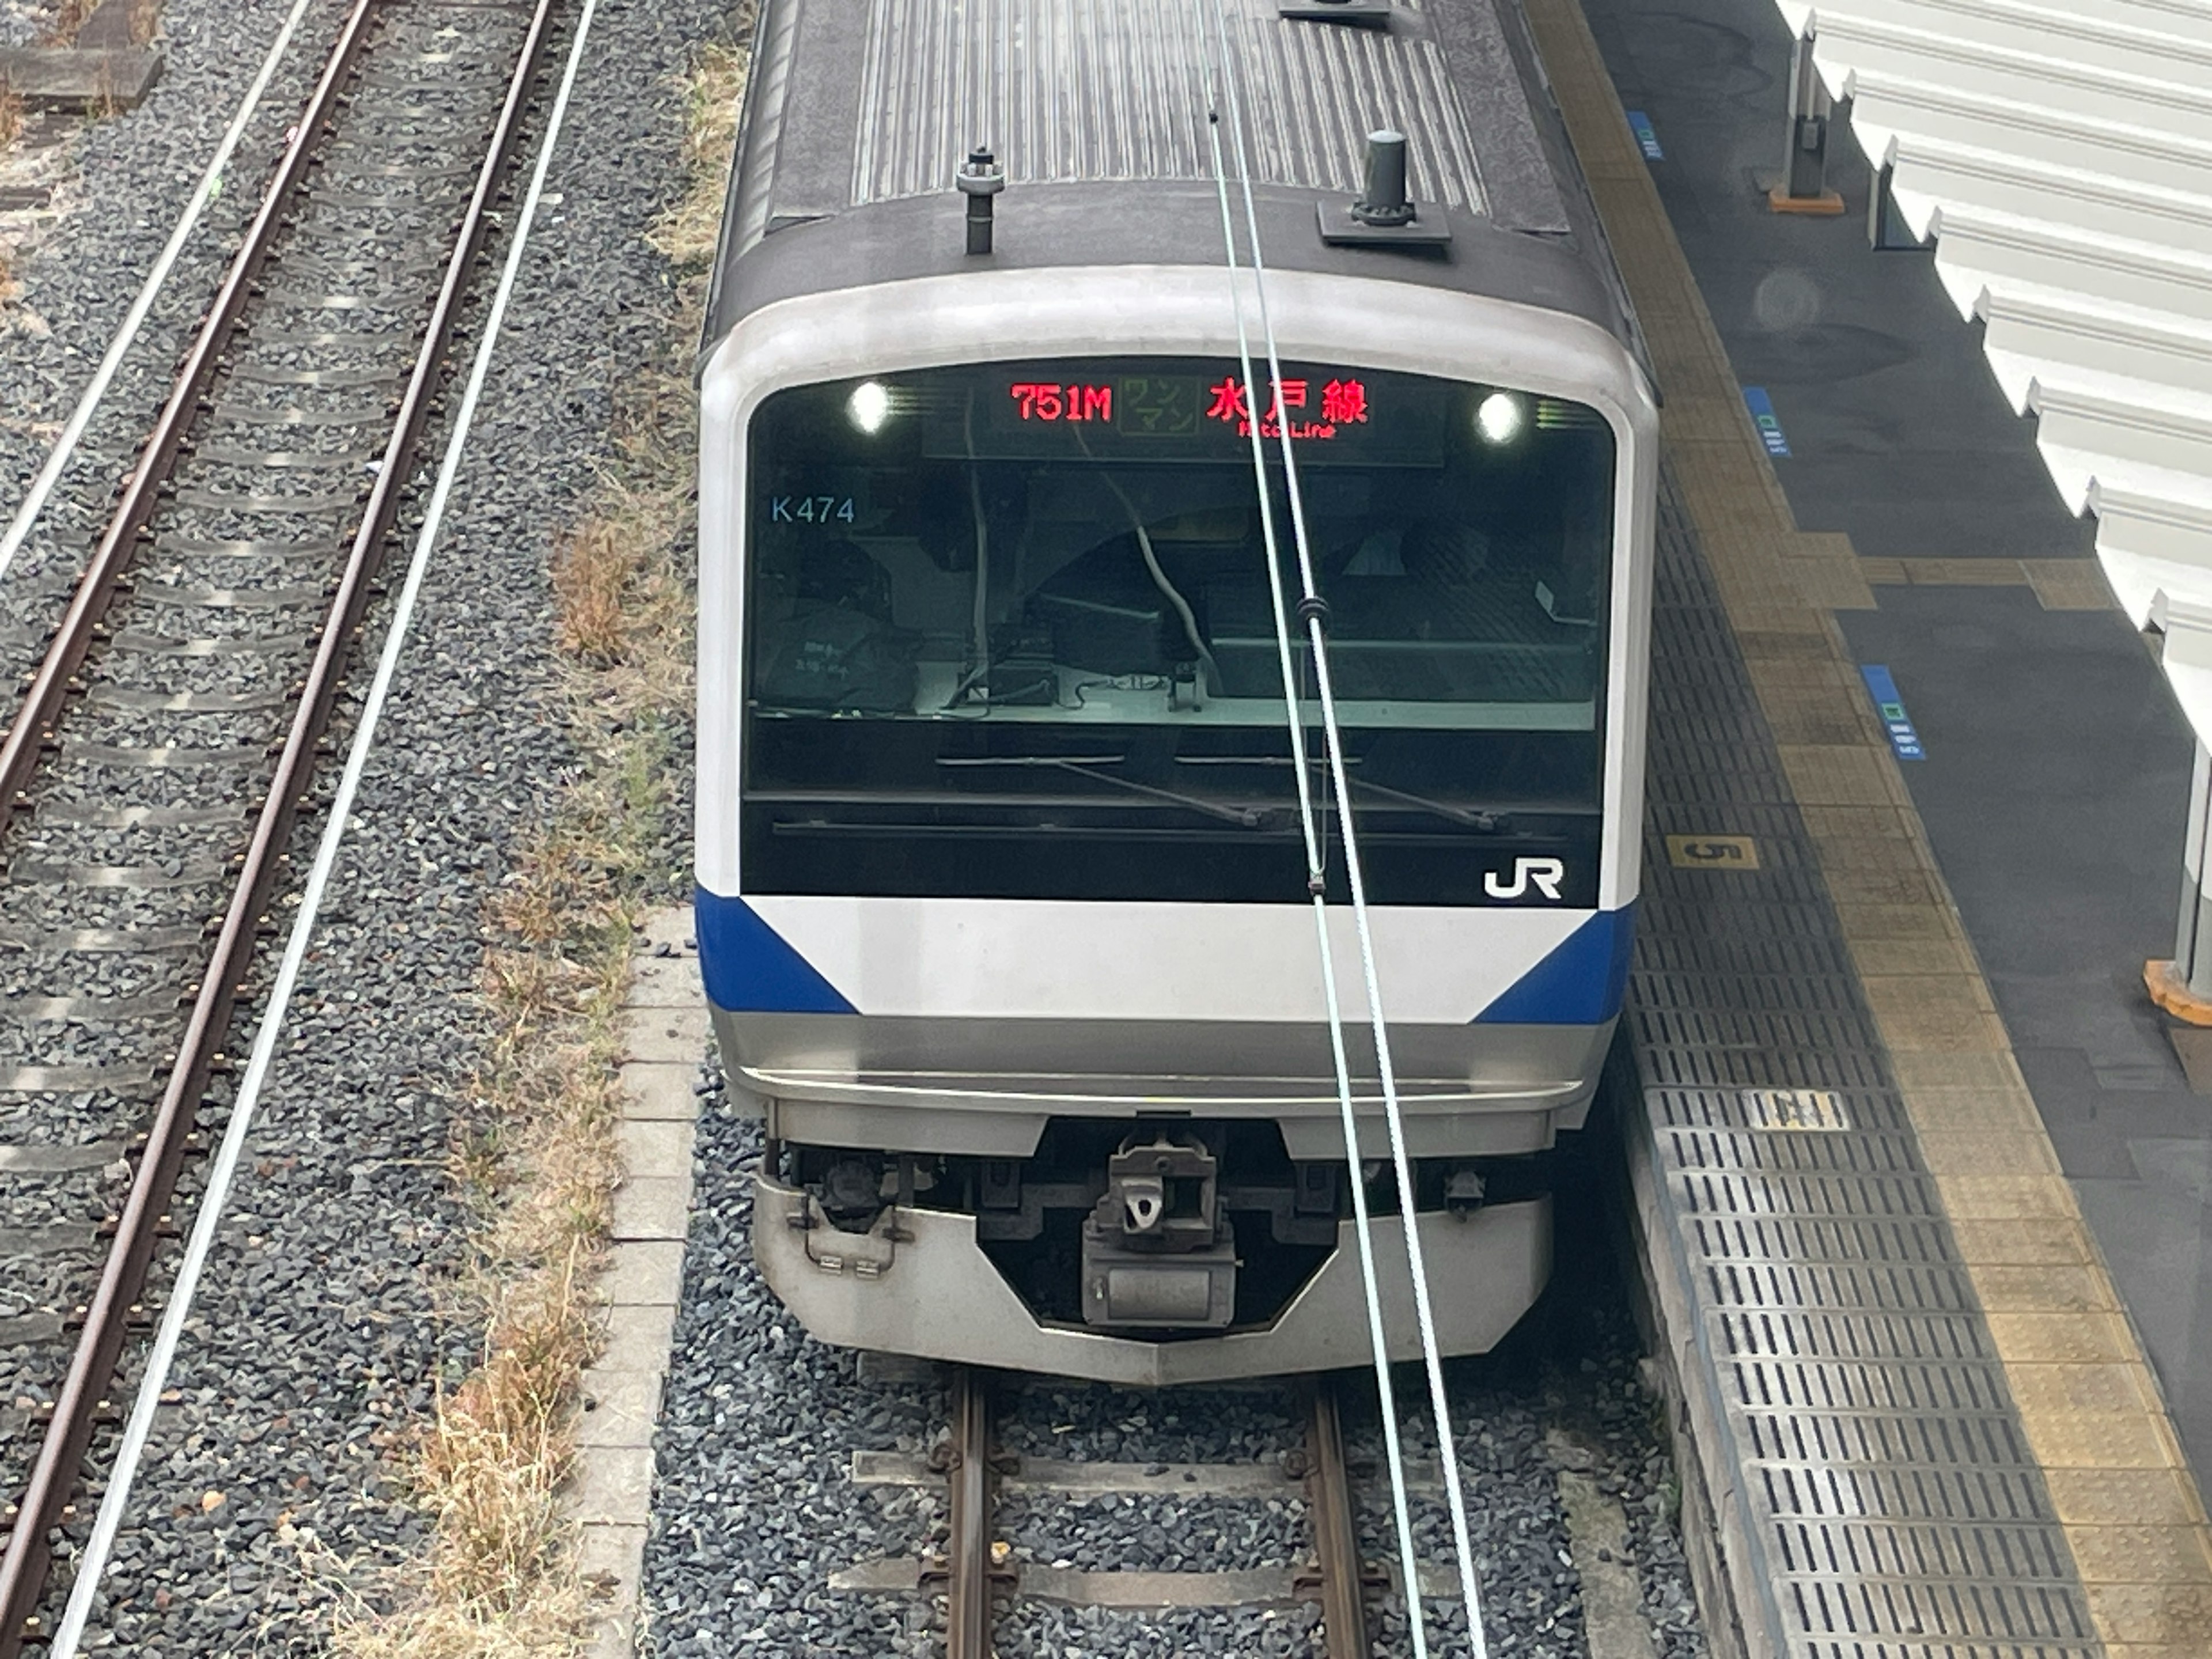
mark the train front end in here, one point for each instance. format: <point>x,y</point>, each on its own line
<point>1004,907</point>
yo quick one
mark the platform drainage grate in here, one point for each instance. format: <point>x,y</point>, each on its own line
<point>1892,1505</point>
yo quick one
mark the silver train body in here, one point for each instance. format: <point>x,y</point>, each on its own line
<point>1003,910</point>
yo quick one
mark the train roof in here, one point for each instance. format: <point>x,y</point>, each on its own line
<point>859,112</point>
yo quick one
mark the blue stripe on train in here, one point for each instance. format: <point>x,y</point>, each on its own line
<point>1581,982</point>
<point>751,969</point>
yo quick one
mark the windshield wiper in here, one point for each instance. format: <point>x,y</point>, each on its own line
<point>1475,817</point>
<point>1085,766</point>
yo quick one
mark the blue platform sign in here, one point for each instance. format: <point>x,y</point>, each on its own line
<point>1891,707</point>
<point>1764,417</point>
<point>1647,138</point>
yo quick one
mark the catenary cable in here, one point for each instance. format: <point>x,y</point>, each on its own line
<point>1362,1228</point>
<point>58,460</point>
<point>92,1566</point>
<point>1311,611</point>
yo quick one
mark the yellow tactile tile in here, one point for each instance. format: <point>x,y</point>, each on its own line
<point>1874,823</point>
<point>1909,885</point>
<point>1764,597</point>
<point>2110,1498</point>
<point>1974,1112</point>
<point>1983,1151</point>
<point>2008,1198</point>
<point>1854,856</point>
<point>2179,1615</point>
<point>2070,584</point>
<point>2095,1440</point>
<point>1823,544</point>
<point>1746,561</point>
<point>1836,774</point>
<point>1811,717</point>
<point>1922,953</point>
<point>1781,642</point>
<point>1866,924</point>
<point>1959,1071</point>
<point>1694,419</point>
<point>2009,1242</point>
<point>1964,572</point>
<point>2110,1386</point>
<point>2142,1555</point>
<point>1604,169</point>
<point>1832,584</point>
<point>1802,677</point>
<point>1902,993</point>
<point>1677,345</point>
<point>1915,1072</point>
<point>2028,1339</point>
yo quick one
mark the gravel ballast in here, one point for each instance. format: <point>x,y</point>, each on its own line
<point>268,1493</point>
<point>754,1508</point>
<point>117,197</point>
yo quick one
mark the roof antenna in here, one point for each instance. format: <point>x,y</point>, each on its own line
<point>1382,215</point>
<point>979,178</point>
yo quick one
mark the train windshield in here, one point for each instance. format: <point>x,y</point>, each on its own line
<point>1013,630</point>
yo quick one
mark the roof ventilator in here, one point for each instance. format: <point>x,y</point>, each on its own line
<point>1373,13</point>
<point>1382,215</point>
<point>979,178</point>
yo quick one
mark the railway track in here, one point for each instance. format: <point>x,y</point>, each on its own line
<point>976,1574</point>
<point>164,746</point>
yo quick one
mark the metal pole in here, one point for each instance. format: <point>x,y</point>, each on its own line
<point>1802,187</point>
<point>2192,942</point>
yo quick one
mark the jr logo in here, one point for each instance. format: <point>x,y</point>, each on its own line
<point>1546,874</point>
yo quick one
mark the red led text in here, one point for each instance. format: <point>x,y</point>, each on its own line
<point>1037,401</point>
<point>1343,403</point>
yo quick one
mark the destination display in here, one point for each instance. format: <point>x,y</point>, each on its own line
<point>1160,410</point>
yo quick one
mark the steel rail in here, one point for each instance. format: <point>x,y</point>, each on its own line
<point>28,1559</point>
<point>968,1563</point>
<point>1340,1577</point>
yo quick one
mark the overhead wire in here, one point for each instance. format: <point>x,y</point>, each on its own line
<point>1312,612</point>
<point>1316,882</point>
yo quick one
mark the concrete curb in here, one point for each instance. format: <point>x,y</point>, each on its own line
<point>610,1493</point>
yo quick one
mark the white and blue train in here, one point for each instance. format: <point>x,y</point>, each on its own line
<point>1003,904</point>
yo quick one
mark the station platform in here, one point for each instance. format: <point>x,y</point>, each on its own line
<point>1921,1178</point>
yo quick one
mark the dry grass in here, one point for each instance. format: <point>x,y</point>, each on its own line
<point>68,17</point>
<point>686,236</point>
<point>539,1162</point>
<point>11,128</point>
<point>103,104</point>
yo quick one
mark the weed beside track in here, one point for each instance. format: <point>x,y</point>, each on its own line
<point>539,1163</point>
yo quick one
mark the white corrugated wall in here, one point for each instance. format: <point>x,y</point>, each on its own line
<point>2062,160</point>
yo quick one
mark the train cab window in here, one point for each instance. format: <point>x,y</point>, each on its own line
<point>1043,603</point>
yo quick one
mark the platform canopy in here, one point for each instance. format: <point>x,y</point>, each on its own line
<point>2061,159</point>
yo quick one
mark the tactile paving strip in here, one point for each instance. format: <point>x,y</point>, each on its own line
<point>1882,1474</point>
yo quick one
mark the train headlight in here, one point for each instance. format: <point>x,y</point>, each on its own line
<point>870,406</point>
<point>1499,418</point>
